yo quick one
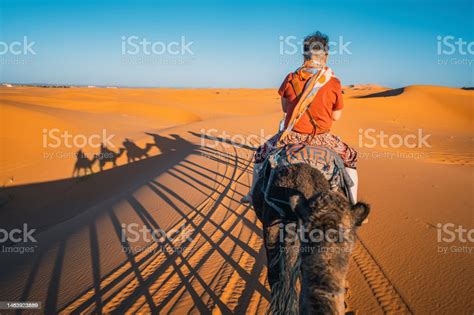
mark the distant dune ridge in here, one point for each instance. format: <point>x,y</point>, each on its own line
<point>179,178</point>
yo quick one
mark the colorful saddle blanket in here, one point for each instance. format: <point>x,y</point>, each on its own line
<point>321,158</point>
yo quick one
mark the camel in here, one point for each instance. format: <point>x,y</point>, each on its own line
<point>134,152</point>
<point>107,155</point>
<point>306,271</point>
<point>83,162</point>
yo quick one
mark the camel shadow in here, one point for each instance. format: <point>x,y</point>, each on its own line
<point>70,206</point>
<point>133,152</point>
<point>83,163</point>
<point>108,156</point>
<point>165,144</point>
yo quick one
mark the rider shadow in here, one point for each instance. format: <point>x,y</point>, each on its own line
<point>135,152</point>
<point>83,163</point>
<point>107,155</point>
<point>165,144</point>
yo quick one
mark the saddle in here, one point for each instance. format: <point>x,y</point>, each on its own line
<point>328,162</point>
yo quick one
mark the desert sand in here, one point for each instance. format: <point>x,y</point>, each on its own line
<point>191,186</point>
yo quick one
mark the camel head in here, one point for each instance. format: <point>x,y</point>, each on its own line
<point>329,227</point>
<point>328,208</point>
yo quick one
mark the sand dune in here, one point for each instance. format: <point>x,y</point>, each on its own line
<point>190,186</point>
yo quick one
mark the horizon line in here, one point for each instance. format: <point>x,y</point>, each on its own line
<point>64,85</point>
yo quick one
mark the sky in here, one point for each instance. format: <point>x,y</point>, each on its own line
<point>235,44</point>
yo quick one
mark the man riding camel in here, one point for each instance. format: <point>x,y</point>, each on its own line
<point>311,98</point>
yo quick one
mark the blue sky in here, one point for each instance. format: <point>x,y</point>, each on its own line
<point>233,44</point>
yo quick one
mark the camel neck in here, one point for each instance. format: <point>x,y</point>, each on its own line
<point>323,299</point>
<point>327,302</point>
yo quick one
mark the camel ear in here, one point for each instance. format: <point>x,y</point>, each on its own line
<point>361,211</point>
<point>299,205</point>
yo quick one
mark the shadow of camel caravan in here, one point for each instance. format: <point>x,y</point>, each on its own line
<point>80,222</point>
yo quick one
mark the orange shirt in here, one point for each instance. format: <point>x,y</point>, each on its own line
<point>327,100</point>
